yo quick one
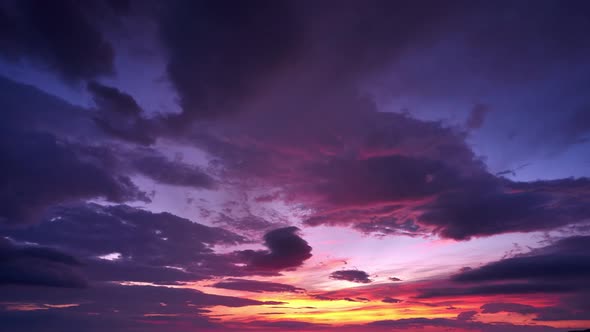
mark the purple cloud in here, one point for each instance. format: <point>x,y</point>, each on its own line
<point>352,276</point>
<point>286,250</point>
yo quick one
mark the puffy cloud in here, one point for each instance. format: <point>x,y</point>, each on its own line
<point>357,276</point>
<point>286,250</point>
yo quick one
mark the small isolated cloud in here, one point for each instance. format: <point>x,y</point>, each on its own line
<point>357,276</point>
<point>391,300</point>
<point>286,250</point>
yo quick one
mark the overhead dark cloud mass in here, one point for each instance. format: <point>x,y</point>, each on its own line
<point>58,36</point>
<point>293,165</point>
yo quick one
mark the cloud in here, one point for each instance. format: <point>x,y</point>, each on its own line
<point>38,266</point>
<point>492,206</point>
<point>151,247</point>
<point>299,37</point>
<point>126,230</point>
<point>123,307</point>
<point>568,308</point>
<point>119,115</point>
<point>565,259</point>
<point>559,268</point>
<point>466,315</point>
<point>286,250</point>
<point>44,162</point>
<point>416,323</point>
<point>256,286</point>
<point>391,300</point>
<point>495,307</point>
<point>171,172</point>
<point>65,174</point>
<point>352,276</point>
<point>500,289</point>
<point>59,35</point>
<point>219,31</point>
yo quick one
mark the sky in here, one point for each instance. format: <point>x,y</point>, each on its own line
<point>282,165</point>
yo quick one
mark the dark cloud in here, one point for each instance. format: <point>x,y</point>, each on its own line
<point>572,307</point>
<point>497,206</point>
<point>388,174</point>
<point>466,315</point>
<point>119,115</point>
<point>391,300</point>
<point>111,99</point>
<point>38,170</point>
<point>125,307</point>
<point>276,94</point>
<point>59,35</point>
<point>43,160</point>
<point>137,235</point>
<point>418,323</point>
<point>380,173</point>
<point>275,36</point>
<point>26,108</point>
<point>286,250</point>
<point>219,31</point>
<point>172,172</point>
<point>501,289</point>
<point>38,266</point>
<point>127,270</point>
<point>495,307</point>
<point>559,268</point>
<point>256,286</point>
<point>121,243</point>
<point>352,276</point>
<point>565,259</point>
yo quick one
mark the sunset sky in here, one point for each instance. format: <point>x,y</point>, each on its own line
<point>274,165</point>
